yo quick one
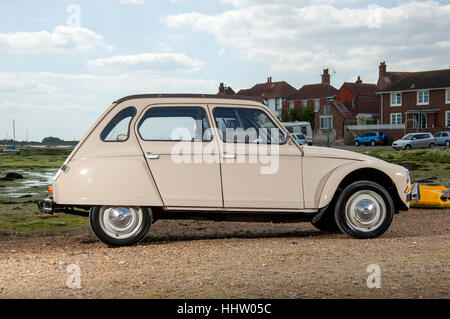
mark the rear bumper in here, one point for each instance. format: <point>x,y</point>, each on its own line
<point>48,206</point>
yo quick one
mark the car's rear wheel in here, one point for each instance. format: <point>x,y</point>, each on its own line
<point>373,143</point>
<point>356,143</point>
<point>432,145</point>
<point>364,210</point>
<point>120,225</point>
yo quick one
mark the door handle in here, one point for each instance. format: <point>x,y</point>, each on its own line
<point>228,155</point>
<point>150,155</point>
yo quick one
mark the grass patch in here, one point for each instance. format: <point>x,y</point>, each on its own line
<point>34,157</point>
<point>427,166</point>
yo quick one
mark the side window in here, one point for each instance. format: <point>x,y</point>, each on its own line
<point>175,124</point>
<point>241,125</point>
<point>118,129</point>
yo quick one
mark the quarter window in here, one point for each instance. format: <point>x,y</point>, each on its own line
<point>241,125</point>
<point>175,124</point>
<point>118,129</point>
<point>396,99</point>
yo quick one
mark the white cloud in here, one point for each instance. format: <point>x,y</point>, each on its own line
<point>63,39</point>
<point>146,62</point>
<point>66,105</point>
<point>306,36</point>
<point>132,2</point>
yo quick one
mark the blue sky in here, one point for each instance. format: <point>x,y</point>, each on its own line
<point>59,73</point>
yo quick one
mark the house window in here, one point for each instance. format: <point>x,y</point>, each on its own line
<point>447,96</point>
<point>396,99</point>
<point>291,104</point>
<point>277,104</point>
<point>447,118</point>
<point>326,110</point>
<point>326,122</point>
<point>423,97</point>
<point>305,103</point>
<point>396,118</point>
<point>316,105</point>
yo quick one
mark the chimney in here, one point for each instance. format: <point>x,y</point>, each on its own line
<point>383,68</point>
<point>325,77</point>
<point>221,87</point>
<point>359,81</point>
<point>269,79</point>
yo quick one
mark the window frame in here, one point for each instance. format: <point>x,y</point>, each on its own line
<point>396,114</point>
<point>423,97</point>
<point>447,119</point>
<point>268,114</point>
<point>326,117</point>
<point>396,94</point>
<point>142,119</point>
<point>129,125</point>
<point>447,96</point>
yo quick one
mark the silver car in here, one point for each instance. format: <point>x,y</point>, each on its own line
<point>415,140</point>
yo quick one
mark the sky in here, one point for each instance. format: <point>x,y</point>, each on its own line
<point>62,63</point>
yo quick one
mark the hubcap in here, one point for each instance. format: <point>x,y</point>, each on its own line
<point>365,210</point>
<point>121,222</point>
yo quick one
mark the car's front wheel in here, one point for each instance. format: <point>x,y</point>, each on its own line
<point>447,143</point>
<point>120,225</point>
<point>364,210</point>
<point>356,143</point>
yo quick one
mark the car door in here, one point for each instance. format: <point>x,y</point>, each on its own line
<point>182,155</point>
<point>260,169</point>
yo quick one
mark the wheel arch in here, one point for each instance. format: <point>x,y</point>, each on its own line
<point>347,175</point>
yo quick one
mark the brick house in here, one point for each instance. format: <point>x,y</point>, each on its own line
<point>312,95</point>
<point>421,100</point>
<point>330,121</point>
<point>361,99</point>
<point>272,94</point>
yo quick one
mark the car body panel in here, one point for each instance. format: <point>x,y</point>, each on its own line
<point>118,173</point>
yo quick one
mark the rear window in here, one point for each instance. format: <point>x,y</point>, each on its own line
<point>118,129</point>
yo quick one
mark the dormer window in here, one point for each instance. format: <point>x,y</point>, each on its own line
<point>396,99</point>
<point>423,97</point>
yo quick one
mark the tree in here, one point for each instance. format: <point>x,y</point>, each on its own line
<point>51,139</point>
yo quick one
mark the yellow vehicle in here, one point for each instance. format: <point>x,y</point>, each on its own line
<point>430,196</point>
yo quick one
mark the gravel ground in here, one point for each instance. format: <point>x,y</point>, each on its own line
<point>187,259</point>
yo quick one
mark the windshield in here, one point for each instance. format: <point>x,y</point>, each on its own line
<point>408,137</point>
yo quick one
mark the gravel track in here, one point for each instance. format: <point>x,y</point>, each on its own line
<point>189,259</point>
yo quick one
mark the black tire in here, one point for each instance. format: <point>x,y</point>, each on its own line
<point>432,145</point>
<point>144,220</point>
<point>408,147</point>
<point>373,143</point>
<point>447,143</point>
<point>366,192</point>
<point>356,143</point>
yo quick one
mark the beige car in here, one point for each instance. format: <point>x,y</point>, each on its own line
<point>151,157</point>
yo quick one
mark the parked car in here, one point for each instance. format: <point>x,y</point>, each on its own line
<point>151,157</point>
<point>303,128</point>
<point>443,138</point>
<point>299,138</point>
<point>371,138</point>
<point>415,140</point>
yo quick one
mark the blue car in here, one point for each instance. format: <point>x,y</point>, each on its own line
<point>371,138</point>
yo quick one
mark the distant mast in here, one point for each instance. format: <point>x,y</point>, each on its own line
<point>14,131</point>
